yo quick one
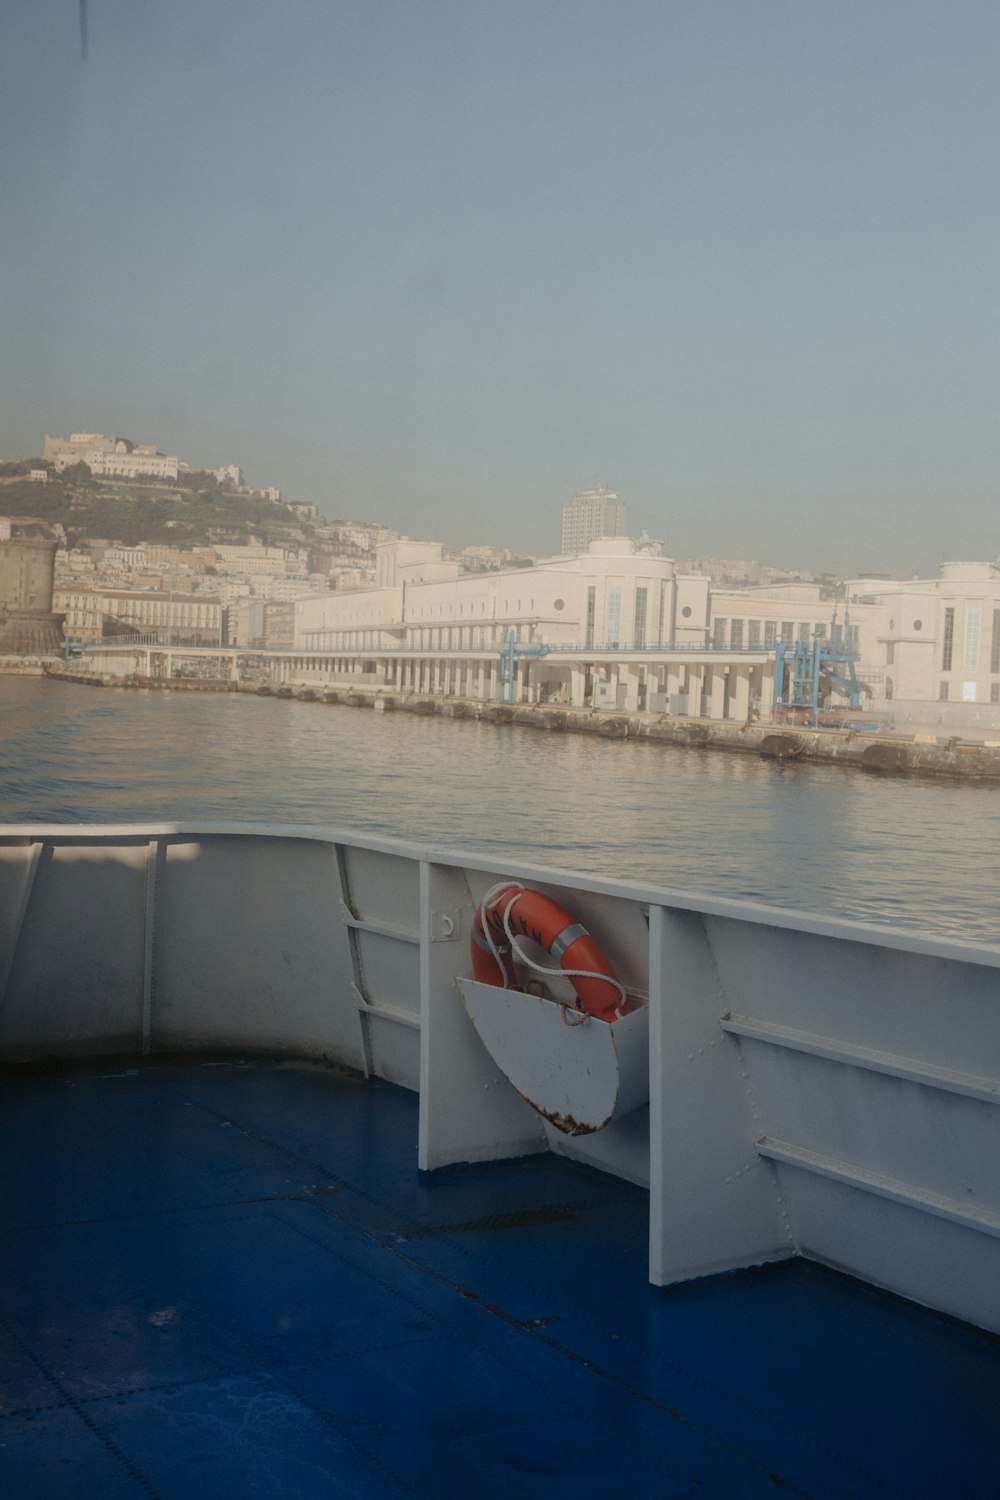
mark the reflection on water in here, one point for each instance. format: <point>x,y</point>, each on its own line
<point>819,838</point>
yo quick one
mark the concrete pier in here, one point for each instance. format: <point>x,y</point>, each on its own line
<point>886,754</point>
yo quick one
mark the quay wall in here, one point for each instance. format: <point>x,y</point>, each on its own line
<point>26,666</point>
<point>885,754</point>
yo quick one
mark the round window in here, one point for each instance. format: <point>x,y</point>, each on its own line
<point>918,624</point>
<point>559,604</point>
<point>686,611</point>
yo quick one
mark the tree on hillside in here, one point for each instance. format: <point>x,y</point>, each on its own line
<point>11,468</point>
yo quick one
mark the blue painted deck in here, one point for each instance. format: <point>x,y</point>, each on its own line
<point>230,1280</point>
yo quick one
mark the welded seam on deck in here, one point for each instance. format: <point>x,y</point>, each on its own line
<point>76,1405</point>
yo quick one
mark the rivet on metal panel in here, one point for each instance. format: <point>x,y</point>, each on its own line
<point>446,926</point>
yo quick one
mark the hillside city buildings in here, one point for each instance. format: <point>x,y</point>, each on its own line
<point>616,626</point>
<point>610,622</point>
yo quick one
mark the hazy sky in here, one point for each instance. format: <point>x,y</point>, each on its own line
<point>443,262</point>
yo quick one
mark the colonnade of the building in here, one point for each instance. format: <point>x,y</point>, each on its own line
<point>439,675</point>
<point>723,690</point>
<point>715,690</point>
<point>729,689</point>
<point>699,689</point>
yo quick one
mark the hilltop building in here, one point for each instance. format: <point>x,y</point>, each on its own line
<point>590,515</point>
<point>109,456</point>
<point>121,458</point>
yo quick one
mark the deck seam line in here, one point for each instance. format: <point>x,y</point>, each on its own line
<point>76,1406</point>
<point>600,1372</point>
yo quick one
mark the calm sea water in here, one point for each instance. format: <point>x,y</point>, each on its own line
<point>818,838</point>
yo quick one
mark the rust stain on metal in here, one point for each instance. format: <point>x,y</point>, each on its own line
<point>567,1124</point>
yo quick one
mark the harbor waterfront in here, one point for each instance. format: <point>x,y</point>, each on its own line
<point>819,838</point>
<point>922,748</point>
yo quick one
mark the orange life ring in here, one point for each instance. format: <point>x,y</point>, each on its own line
<point>511,911</point>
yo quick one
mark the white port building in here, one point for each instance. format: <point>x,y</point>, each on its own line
<point>614,626</point>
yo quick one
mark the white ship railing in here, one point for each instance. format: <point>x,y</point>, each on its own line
<point>816,1086</point>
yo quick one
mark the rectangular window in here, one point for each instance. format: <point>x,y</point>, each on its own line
<point>948,641</point>
<point>639,632</point>
<point>663,605</point>
<point>995,645</point>
<point>719,633</point>
<point>787,632</point>
<point>804,634</point>
<point>890,654</point>
<point>614,631</point>
<point>754,633</point>
<point>968,692</point>
<point>736,635</point>
<point>995,692</point>
<point>591,611</point>
<point>973,628</point>
<point>770,632</point>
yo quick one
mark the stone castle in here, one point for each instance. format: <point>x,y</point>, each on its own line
<point>28,626</point>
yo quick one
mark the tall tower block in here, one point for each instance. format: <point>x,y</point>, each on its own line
<point>589,515</point>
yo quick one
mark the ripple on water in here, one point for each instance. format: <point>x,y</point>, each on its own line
<point>820,838</point>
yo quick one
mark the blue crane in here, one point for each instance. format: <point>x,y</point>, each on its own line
<point>803,669</point>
